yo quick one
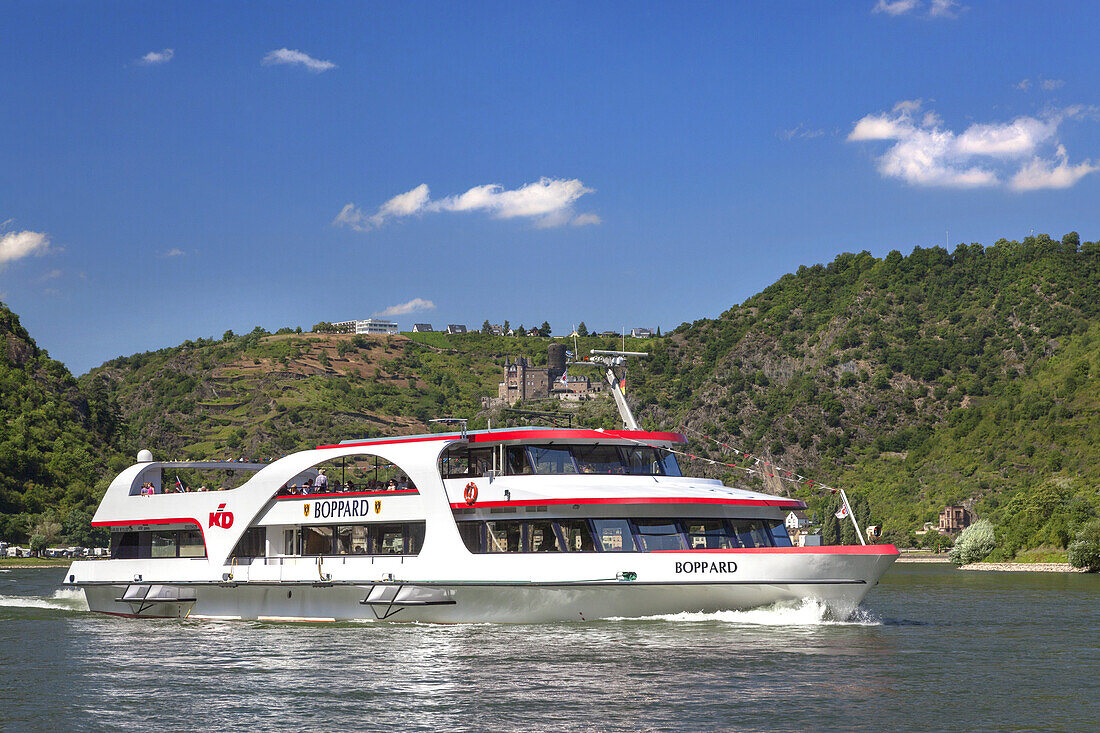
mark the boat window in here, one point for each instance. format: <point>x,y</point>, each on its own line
<point>481,461</point>
<point>471,535</point>
<point>750,533</point>
<point>670,465</point>
<point>708,534</point>
<point>779,534</point>
<point>659,534</point>
<point>577,535</point>
<point>159,543</point>
<point>343,540</point>
<point>516,457</point>
<point>598,459</point>
<point>455,461</point>
<point>614,535</point>
<point>504,536</point>
<point>127,545</point>
<point>541,537</point>
<point>317,540</point>
<point>551,460</point>
<point>360,540</point>
<point>253,543</point>
<point>191,543</point>
<point>642,461</point>
<point>414,538</point>
<point>162,544</point>
<point>389,539</point>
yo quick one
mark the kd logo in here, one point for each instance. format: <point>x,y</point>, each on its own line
<point>221,518</point>
<point>305,508</point>
<point>377,506</point>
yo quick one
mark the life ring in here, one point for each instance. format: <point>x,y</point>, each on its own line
<point>470,493</point>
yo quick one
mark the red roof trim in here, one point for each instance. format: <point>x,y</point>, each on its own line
<point>534,434</point>
<point>341,494</point>
<point>823,550</point>
<point>783,503</point>
<point>391,441</point>
<point>576,434</point>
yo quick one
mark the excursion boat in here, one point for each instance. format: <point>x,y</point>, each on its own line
<point>513,525</point>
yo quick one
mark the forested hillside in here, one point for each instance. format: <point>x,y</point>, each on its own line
<point>912,381</point>
<point>58,441</point>
<point>915,381</point>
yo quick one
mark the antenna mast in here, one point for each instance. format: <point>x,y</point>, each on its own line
<point>612,360</point>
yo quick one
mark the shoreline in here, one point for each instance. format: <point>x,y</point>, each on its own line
<point>8,565</point>
<point>923,558</point>
<point>1023,567</point>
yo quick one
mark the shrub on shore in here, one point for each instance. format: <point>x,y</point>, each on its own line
<point>974,543</point>
<point>1084,552</point>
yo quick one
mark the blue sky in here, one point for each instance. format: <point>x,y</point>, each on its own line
<point>173,170</point>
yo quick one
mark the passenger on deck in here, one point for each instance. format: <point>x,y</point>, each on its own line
<point>321,484</point>
<point>392,485</point>
<point>307,488</point>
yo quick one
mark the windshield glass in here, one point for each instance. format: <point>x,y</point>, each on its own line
<point>596,459</point>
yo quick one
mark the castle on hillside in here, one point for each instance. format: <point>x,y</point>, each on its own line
<point>524,381</point>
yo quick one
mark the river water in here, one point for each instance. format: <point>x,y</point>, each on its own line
<point>931,649</point>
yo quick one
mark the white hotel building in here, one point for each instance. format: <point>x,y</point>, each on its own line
<point>368,326</point>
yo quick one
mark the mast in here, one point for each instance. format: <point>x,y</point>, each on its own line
<point>611,360</point>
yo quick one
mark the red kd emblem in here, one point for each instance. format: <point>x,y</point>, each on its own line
<point>221,518</point>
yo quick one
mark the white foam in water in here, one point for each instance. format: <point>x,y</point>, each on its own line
<point>806,613</point>
<point>63,599</point>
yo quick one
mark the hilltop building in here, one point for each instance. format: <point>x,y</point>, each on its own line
<point>371,326</point>
<point>641,333</point>
<point>455,328</point>
<point>422,328</point>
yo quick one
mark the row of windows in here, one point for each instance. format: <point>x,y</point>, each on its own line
<point>405,538</point>
<point>157,543</point>
<point>519,460</point>
<point>621,535</point>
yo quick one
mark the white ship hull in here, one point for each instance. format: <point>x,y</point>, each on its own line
<point>840,581</point>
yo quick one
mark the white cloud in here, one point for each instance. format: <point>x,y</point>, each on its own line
<point>402,309</point>
<point>351,216</point>
<point>1052,84</point>
<point>17,245</point>
<point>924,153</point>
<point>944,9</point>
<point>51,275</point>
<point>894,7</point>
<point>174,253</point>
<point>800,131</point>
<point>936,9</point>
<point>157,57</point>
<point>548,202</point>
<point>1023,85</point>
<point>295,57</point>
<point>1040,173</point>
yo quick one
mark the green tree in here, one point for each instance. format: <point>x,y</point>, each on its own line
<point>229,335</point>
<point>324,327</point>
<point>1084,552</point>
<point>582,330</point>
<point>974,543</point>
<point>544,329</point>
<point>486,328</point>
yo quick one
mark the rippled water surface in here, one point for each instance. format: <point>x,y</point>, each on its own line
<point>932,648</point>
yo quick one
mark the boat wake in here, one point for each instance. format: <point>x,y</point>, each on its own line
<point>805,613</point>
<point>63,599</point>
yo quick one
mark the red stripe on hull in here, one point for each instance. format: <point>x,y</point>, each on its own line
<point>782,503</point>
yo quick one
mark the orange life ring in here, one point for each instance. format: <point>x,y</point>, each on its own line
<point>470,493</point>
